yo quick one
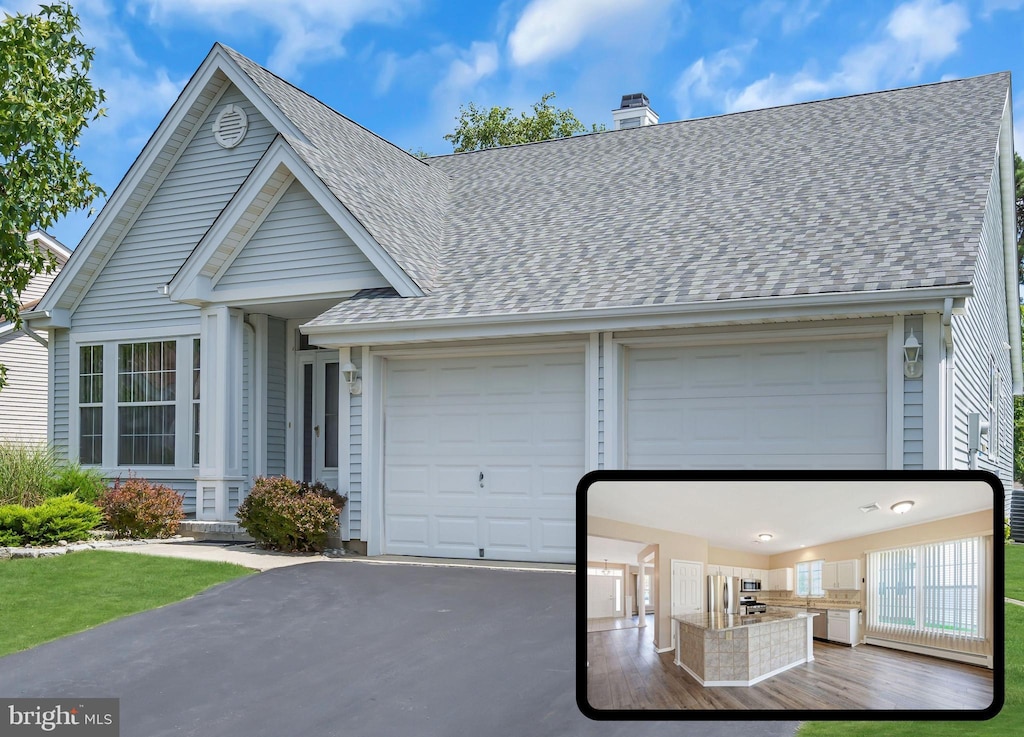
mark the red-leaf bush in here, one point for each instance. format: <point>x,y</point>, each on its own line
<point>282,514</point>
<point>137,508</point>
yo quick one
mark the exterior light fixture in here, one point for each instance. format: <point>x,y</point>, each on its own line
<point>902,507</point>
<point>912,366</point>
<point>351,374</point>
<point>764,537</point>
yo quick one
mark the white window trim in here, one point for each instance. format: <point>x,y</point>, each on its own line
<point>182,468</point>
<point>810,575</point>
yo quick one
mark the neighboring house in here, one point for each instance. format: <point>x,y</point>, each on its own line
<point>24,399</point>
<point>453,342</point>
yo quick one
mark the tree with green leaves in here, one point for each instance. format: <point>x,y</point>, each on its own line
<point>478,128</point>
<point>46,100</point>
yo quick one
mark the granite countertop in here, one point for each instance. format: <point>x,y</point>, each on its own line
<point>719,621</point>
<point>815,603</point>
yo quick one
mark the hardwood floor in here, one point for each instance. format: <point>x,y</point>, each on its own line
<point>626,673</point>
<point>617,623</point>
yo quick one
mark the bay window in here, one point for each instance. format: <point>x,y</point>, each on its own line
<point>138,403</point>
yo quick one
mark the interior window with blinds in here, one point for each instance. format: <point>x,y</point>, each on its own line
<point>930,594</point>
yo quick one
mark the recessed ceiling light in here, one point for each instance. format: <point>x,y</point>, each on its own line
<point>870,507</point>
<point>764,537</point>
<point>902,507</point>
<point>802,545</point>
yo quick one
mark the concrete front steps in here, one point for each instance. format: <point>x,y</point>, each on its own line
<point>220,531</point>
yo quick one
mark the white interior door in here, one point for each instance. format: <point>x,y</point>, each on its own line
<point>320,381</point>
<point>600,597</point>
<point>687,587</point>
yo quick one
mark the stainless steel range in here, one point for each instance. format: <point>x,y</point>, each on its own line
<point>749,605</point>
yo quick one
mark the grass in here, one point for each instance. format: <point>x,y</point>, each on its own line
<point>1008,721</point>
<point>47,598</point>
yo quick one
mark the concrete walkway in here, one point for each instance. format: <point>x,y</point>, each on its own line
<point>250,556</point>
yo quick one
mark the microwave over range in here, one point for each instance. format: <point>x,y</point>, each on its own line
<point>750,584</point>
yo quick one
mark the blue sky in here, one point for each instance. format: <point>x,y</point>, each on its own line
<point>402,67</point>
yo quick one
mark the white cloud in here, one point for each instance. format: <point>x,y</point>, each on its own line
<point>917,35</point>
<point>479,62</point>
<point>793,16</point>
<point>991,6</point>
<point>307,30</point>
<point>551,28</point>
<point>704,78</point>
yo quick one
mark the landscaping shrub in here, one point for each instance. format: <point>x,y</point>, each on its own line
<point>87,484</point>
<point>282,514</point>
<point>137,508</point>
<point>25,472</point>
<point>60,518</point>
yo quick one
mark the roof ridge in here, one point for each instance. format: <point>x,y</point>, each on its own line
<point>716,116</point>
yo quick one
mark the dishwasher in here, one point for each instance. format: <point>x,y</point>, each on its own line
<point>820,623</point>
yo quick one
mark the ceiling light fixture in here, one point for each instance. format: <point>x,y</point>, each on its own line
<point>764,537</point>
<point>902,507</point>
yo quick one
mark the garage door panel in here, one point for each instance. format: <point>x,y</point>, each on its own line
<point>519,420</point>
<point>508,534</point>
<point>789,413</point>
<point>407,479</point>
<point>409,530</point>
<point>454,531</point>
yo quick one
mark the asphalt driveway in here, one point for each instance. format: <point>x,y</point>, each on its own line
<point>343,649</point>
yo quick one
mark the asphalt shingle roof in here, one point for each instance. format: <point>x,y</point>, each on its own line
<point>398,198</point>
<point>872,192</point>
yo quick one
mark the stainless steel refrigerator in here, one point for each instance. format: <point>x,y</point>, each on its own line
<point>723,594</point>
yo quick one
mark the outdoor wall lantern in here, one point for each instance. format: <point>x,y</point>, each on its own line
<point>912,366</point>
<point>351,374</point>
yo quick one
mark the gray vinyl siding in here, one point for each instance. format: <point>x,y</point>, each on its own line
<point>184,206</point>
<point>913,405</point>
<point>298,241</point>
<point>24,397</point>
<point>61,395</point>
<point>980,336</point>
<point>276,396</point>
<point>37,287</point>
<point>355,477</point>
<point>602,347</point>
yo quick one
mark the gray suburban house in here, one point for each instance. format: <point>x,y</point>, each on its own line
<point>453,342</point>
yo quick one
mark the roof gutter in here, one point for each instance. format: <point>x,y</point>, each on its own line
<point>834,305</point>
<point>1006,187</point>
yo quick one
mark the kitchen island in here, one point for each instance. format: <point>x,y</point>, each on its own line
<point>740,650</point>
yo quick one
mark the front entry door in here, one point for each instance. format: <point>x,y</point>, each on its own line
<point>320,392</point>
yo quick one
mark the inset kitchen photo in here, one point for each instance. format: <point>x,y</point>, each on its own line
<point>863,595</point>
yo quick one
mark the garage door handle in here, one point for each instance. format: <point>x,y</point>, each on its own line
<point>481,479</point>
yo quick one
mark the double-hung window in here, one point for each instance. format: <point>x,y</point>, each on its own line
<point>138,403</point>
<point>808,578</point>
<point>90,405</point>
<point>146,389</point>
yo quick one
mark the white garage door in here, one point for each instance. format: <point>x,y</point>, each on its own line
<point>483,454</point>
<point>806,404</point>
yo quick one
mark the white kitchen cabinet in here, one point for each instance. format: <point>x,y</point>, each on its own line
<point>714,569</point>
<point>844,626</point>
<point>841,575</point>
<point>780,579</point>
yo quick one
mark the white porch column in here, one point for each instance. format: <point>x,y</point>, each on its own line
<point>220,413</point>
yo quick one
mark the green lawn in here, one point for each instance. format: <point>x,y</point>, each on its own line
<point>1008,721</point>
<point>42,599</point>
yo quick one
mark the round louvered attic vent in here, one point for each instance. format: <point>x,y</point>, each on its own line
<point>230,126</point>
